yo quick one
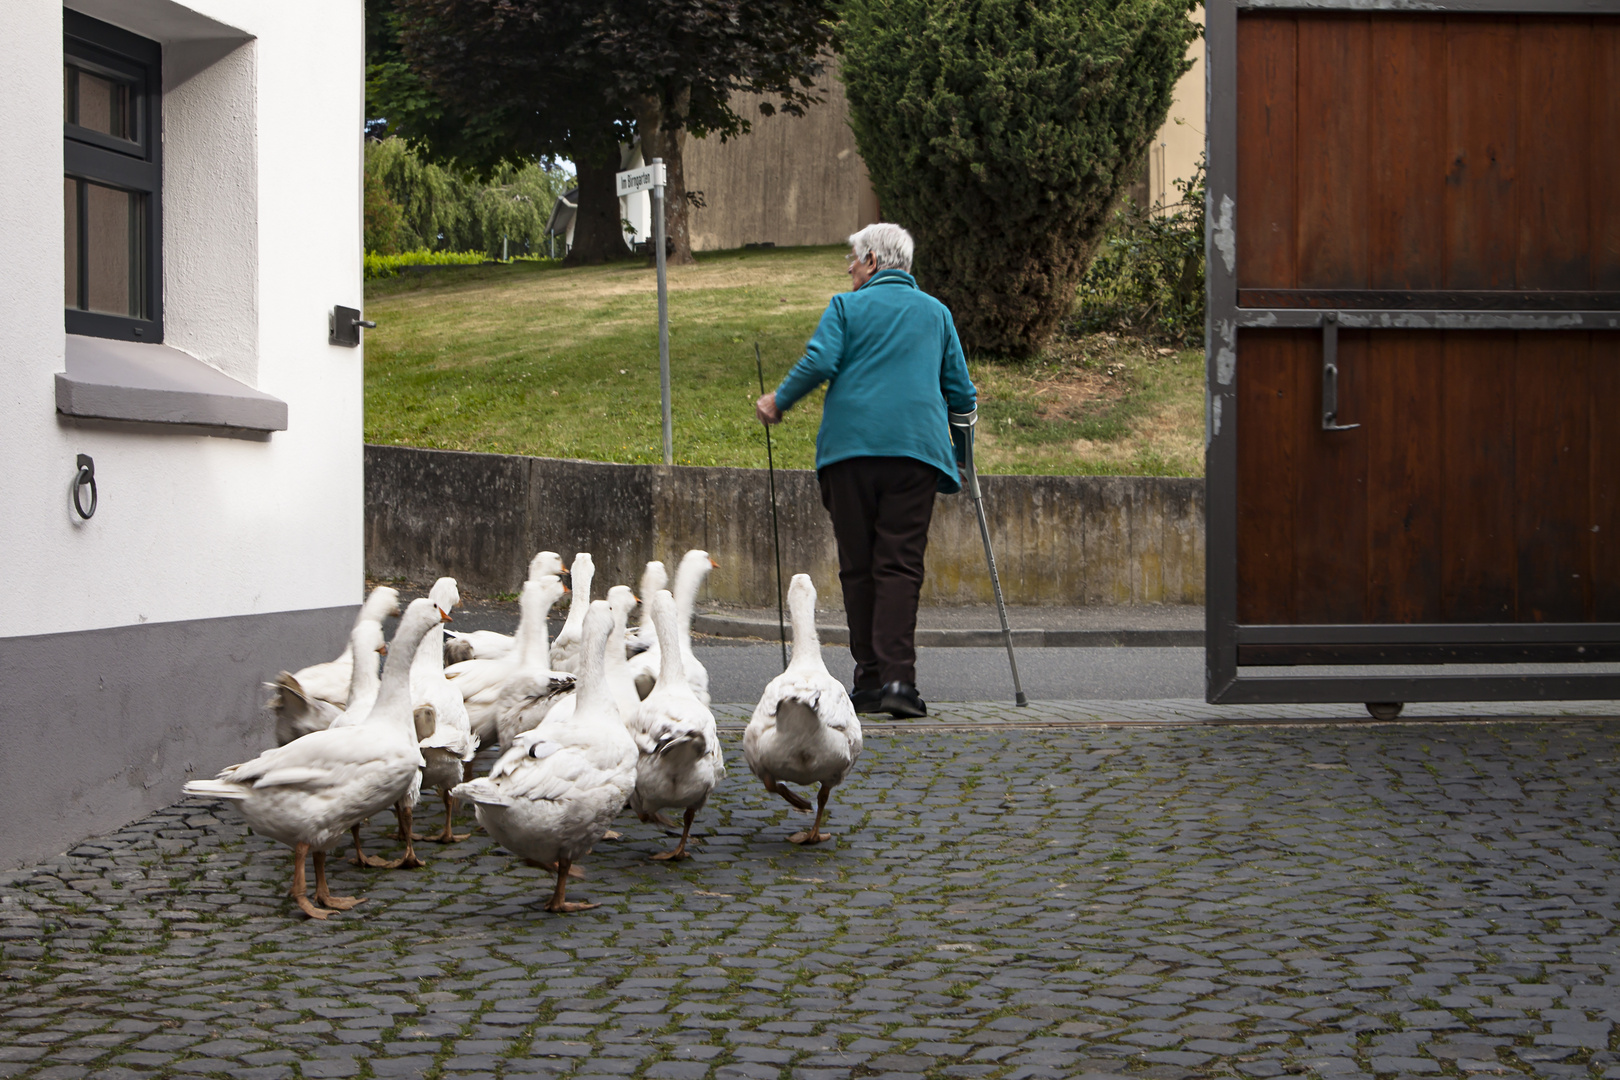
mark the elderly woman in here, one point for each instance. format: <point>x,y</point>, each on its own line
<point>889,355</point>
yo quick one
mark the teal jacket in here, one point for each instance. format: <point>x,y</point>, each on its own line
<point>891,360</point>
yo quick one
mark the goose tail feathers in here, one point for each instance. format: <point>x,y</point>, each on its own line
<point>480,791</point>
<point>216,789</point>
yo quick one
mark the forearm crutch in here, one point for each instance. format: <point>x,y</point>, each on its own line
<point>964,424</point>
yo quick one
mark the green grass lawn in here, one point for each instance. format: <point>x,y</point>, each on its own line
<point>538,359</point>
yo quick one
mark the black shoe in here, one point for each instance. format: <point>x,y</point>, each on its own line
<point>867,701</point>
<point>901,700</point>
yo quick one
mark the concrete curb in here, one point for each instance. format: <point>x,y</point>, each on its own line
<point>731,626</point>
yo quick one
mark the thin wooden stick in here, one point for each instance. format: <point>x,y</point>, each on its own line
<point>776,536</point>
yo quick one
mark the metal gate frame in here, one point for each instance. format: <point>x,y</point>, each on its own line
<point>1375,643</point>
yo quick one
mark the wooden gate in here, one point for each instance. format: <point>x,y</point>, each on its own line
<point>1414,350</point>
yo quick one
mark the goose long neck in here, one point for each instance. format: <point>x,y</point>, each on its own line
<point>582,574</point>
<point>593,688</point>
<point>652,580</point>
<point>430,654</point>
<point>671,665</point>
<point>687,584</point>
<point>615,646</point>
<point>364,680</point>
<point>533,636</point>
<point>806,642</point>
<point>394,691</point>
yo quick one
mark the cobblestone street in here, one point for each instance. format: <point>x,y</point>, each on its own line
<point>1017,902</point>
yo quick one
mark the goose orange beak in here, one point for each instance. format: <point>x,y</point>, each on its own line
<point>383,648</point>
<point>714,564</point>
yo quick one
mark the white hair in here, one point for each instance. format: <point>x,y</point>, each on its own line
<point>888,243</point>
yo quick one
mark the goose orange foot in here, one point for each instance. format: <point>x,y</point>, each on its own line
<point>323,895</point>
<point>558,903</point>
<point>449,835</point>
<point>299,888</point>
<point>360,858</point>
<point>680,851</point>
<point>814,835</point>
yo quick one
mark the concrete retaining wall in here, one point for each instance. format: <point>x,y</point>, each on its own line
<point>1062,540</point>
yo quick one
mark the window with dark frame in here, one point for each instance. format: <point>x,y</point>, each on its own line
<point>112,187</point>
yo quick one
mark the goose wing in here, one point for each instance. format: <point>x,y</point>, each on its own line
<point>322,759</point>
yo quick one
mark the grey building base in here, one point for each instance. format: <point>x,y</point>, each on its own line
<point>101,727</point>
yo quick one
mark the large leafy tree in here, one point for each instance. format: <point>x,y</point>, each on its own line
<point>1001,132</point>
<point>682,61</point>
<point>576,77</point>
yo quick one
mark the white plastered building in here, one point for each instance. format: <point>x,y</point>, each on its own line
<point>181,217</point>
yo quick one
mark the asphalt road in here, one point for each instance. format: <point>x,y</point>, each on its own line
<point>737,673</point>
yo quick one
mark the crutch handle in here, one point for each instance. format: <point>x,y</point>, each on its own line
<point>964,419</point>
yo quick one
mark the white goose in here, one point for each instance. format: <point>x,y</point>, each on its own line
<point>520,700</point>
<point>298,715</point>
<point>689,578</point>
<point>493,645</point>
<point>429,657</point>
<point>481,682</point>
<point>565,650</point>
<point>681,761</point>
<point>308,793</point>
<point>552,796</point>
<point>621,680</point>
<point>642,636</point>
<point>804,729</point>
<point>330,681</point>
<point>448,745</point>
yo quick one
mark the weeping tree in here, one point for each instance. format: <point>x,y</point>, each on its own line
<point>414,203</point>
<point>1001,133</point>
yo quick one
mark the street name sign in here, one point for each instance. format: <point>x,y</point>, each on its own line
<point>634,181</point>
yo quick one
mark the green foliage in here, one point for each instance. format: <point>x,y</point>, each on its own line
<point>384,219</point>
<point>1148,277</point>
<point>1000,133</point>
<point>380,265</point>
<point>443,210</point>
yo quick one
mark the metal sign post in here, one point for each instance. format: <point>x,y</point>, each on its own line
<point>631,182</point>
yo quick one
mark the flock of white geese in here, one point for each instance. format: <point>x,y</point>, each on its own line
<point>604,718</point>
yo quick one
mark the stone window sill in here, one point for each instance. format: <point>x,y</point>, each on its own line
<point>127,380</point>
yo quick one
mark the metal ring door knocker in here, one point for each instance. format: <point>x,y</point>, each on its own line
<point>86,478</point>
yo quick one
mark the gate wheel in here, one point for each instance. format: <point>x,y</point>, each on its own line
<point>1385,710</point>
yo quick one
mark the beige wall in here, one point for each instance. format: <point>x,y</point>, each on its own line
<point>789,181</point>
<point>799,180</point>
<point>1180,143</point>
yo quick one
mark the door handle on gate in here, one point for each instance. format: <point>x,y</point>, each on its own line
<point>1330,374</point>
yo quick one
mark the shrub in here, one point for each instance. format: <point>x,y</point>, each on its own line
<point>379,265</point>
<point>1148,276</point>
<point>1000,133</point>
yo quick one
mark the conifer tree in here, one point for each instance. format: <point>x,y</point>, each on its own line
<point>1001,132</point>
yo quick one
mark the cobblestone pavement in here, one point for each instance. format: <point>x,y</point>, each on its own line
<point>1001,902</point>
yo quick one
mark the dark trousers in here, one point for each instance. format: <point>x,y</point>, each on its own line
<point>880,509</point>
